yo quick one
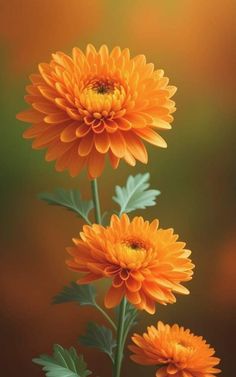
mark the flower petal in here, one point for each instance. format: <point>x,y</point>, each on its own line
<point>114,297</point>
<point>117,144</point>
<point>96,162</point>
<point>151,136</point>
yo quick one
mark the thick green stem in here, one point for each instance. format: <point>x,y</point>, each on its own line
<point>126,332</point>
<point>120,342</point>
<point>94,188</point>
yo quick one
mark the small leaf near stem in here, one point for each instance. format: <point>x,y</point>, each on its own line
<point>69,199</point>
<point>82,295</point>
<point>135,194</point>
<point>96,202</point>
<point>99,337</point>
<point>63,362</point>
<point>120,342</point>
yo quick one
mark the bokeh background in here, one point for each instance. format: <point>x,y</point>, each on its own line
<point>194,41</point>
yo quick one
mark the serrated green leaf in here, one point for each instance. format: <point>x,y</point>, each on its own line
<point>63,363</point>
<point>135,194</point>
<point>69,199</point>
<point>82,294</point>
<point>99,337</point>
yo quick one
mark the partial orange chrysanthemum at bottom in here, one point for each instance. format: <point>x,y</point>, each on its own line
<point>181,353</point>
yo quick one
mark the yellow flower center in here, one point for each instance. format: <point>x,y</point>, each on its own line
<point>102,97</point>
<point>184,346</point>
<point>132,257</point>
<point>103,86</point>
<point>136,244</point>
<point>133,253</point>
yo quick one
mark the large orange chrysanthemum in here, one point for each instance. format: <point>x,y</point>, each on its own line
<point>182,353</point>
<point>146,264</point>
<point>97,103</point>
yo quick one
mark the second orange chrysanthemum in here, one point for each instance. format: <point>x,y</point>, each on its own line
<point>180,353</point>
<point>146,264</point>
<point>94,104</point>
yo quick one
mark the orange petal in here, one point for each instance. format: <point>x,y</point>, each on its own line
<point>111,125</point>
<point>113,160</point>
<point>136,147</point>
<point>63,161</point>
<point>86,144</point>
<point>73,113</point>
<point>136,120</point>
<point>117,281</point>
<point>96,162</point>
<point>133,297</point>
<point>172,90</point>
<point>56,149</point>
<point>123,124</point>
<point>33,131</point>
<point>62,103</point>
<point>162,372</point>
<point>88,278</point>
<point>113,297</point>
<point>35,78</point>
<point>104,53</point>
<point>33,90</point>
<point>58,117</point>
<point>48,93</point>
<point>102,142</point>
<point>76,164</point>
<point>151,136</point>
<point>46,137</point>
<point>90,49</point>
<point>172,369</point>
<point>30,116</point>
<point>82,130</point>
<point>150,306</point>
<point>133,285</point>
<point>45,107</point>
<point>118,144</point>
<point>160,123</point>
<point>129,158</point>
<point>69,133</point>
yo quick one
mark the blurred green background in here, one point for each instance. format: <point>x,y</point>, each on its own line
<point>194,41</point>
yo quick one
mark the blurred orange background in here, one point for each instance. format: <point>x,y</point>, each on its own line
<point>194,41</point>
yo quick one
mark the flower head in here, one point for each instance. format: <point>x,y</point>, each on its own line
<point>183,354</point>
<point>94,104</point>
<point>146,264</point>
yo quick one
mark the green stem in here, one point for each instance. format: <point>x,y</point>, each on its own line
<point>106,316</point>
<point>126,333</point>
<point>94,188</point>
<point>120,342</point>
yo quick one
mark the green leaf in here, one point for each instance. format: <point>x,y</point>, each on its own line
<point>99,337</point>
<point>63,363</point>
<point>135,195</point>
<point>69,199</point>
<point>82,294</point>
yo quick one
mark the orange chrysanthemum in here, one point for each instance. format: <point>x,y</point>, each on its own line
<point>97,103</point>
<point>183,354</point>
<point>146,264</point>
